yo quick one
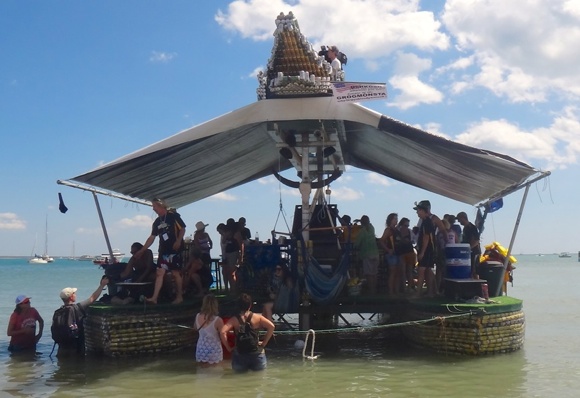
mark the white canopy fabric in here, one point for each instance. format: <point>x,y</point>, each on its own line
<point>236,148</point>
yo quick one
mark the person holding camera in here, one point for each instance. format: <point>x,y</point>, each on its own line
<point>68,296</point>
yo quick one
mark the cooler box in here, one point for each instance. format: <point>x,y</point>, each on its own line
<point>458,260</point>
<point>493,272</point>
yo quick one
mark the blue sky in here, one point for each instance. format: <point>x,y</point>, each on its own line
<point>83,83</point>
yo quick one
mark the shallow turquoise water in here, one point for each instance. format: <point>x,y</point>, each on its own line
<point>361,365</point>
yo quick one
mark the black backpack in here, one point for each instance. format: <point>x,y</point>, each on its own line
<point>246,337</point>
<point>64,327</point>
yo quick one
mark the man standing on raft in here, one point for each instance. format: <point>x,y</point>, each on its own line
<point>170,228</point>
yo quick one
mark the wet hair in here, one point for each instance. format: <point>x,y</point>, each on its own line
<point>390,218</point>
<point>244,303</point>
<point>209,306</point>
<point>137,245</point>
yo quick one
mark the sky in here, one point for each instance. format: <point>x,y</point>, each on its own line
<point>84,83</point>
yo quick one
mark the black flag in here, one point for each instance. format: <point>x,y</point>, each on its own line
<point>63,209</point>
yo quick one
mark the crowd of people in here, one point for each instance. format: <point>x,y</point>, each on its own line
<point>170,278</point>
<point>414,257</point>
<point>247,353</point>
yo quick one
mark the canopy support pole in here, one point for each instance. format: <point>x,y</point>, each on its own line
<point>111,257</point>
<point>514,233</point>
<point>516,226</point>
<point>103,192</point>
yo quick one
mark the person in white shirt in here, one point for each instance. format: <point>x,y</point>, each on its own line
<point>334,61</point>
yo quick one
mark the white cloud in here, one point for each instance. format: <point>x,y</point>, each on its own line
<point>364,28</point>
<point>223,196</point>
<point>11,221</point>
<point>137,221</point>
<point>161,57</point>
<point>413,92</point>
<point>406,80</point>
<point>377,179</point>
<point>520,56</point>
<point>345,194</point>
<point>557,145</point>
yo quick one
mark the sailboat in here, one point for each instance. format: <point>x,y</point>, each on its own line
<point>36,259</point>
<point>45,256</point>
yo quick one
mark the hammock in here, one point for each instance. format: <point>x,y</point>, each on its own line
<point>324,286</point>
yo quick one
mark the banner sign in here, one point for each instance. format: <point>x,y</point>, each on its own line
<point>355,92</point>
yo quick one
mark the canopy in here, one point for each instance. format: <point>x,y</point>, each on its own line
<point>241,146</point>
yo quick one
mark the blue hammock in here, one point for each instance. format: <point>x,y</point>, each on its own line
<point>324,286</point>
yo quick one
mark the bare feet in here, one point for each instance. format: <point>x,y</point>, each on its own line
<point>150,300</point>
<point>178,300</point>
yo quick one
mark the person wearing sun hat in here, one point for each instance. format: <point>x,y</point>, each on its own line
<point>22,326</point>
<point>202,242</point>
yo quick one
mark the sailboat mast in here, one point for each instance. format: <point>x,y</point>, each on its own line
<point>46,236</point>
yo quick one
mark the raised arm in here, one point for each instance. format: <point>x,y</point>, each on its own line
<point>104,282</point>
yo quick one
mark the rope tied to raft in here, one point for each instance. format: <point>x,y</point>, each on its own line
<point>311,356</point>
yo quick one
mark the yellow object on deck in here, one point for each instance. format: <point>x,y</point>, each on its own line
<point>495,246</point>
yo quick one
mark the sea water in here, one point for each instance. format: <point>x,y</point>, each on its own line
<point>354,365</point>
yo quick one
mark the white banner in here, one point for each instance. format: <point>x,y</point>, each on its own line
<point>355,92</point>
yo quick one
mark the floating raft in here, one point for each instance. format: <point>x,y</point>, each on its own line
<point>118,331</point>
<point>486,329</point>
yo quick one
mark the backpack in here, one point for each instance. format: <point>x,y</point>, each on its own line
<point>64,327</point>
<point>246,337</point>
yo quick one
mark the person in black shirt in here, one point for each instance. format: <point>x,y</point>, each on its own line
<point>471,236</point>
<point>426,247</point>
<point>170,228</point>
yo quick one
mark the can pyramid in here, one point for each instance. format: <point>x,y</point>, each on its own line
<point>294,68</point>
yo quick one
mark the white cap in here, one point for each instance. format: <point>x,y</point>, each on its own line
<point>67,292</point>
<point>21,298</point>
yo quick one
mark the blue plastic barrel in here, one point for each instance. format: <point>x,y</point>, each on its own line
<point>458,260</point>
